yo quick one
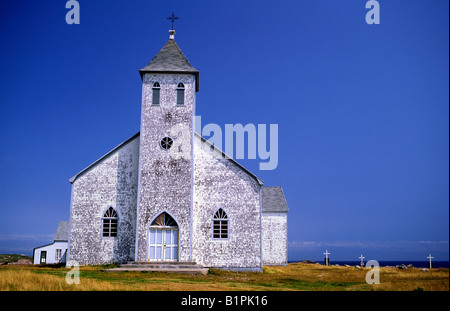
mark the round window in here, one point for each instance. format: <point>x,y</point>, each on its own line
<point>166,142</point>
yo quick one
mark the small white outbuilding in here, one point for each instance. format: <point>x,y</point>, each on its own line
<point>55,252</point>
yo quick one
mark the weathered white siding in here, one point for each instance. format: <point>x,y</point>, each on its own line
<point>220,183</point>
<point>274,238</point>
<point>113,181</point>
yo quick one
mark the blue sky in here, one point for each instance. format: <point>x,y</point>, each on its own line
<point>362,110</point>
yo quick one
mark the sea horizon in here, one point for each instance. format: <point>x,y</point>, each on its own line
<point>383,263</point>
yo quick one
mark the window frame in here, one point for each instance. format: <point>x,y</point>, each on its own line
<point>110,220</point>
<point>58,254</point>
<point>156,87</point>
<point>180,94</point>
<point>221,221</point>
<point>161,140</point>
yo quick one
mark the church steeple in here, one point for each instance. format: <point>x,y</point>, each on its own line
<point>170,59</point>
<point>169,86</point>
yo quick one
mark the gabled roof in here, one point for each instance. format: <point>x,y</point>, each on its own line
<point>170,59</point>
<point>260,182</point>
<point>71,180</point>
<point>225,156</point>
<point>62,233</point>
<point>273,200</point>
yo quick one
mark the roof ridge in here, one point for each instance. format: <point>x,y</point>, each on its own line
<point>226,156</point>
<point>260,181</point>
<point>72,180</point>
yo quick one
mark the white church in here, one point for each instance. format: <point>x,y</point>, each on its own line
<point>167,194</point>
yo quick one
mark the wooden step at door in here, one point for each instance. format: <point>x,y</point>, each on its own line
<point>161,266</point>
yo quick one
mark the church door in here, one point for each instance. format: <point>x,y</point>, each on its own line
<point>163,239</point>
<point>43,256</point>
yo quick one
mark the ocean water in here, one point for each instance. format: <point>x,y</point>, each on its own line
<point>383,263</point>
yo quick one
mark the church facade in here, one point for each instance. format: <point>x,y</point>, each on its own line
<point>167,194</point>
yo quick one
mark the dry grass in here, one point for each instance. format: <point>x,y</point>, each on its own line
<point>297,276</point>
<point>391,279</point>
<point>27,280</point>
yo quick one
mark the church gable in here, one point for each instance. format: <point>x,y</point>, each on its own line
<point>104,157</point>
<point>110,182</point>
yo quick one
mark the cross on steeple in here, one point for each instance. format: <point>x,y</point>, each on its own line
<point>172,18</point>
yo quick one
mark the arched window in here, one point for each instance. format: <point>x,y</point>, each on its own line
<point>164,220</point>
<point>220,225</point>
<point>180,94</point>
<point>156,88</point>
<point>110,220</point>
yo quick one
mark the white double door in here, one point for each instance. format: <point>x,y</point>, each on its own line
<point>163,244</point>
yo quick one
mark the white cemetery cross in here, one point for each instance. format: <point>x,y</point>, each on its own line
<point>430,264</point>
<point>327,261</point>
<point>362,260</point>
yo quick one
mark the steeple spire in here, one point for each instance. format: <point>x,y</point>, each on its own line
<point>170,59</point>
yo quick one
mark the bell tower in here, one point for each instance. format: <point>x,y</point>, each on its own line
<point>169,86</point>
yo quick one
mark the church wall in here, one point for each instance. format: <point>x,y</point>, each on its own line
<point>274,238</point>
<point>111,182</point>
<point>166,175</point>
<point>219,183</point>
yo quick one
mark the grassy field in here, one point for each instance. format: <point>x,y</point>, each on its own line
<point>294,277</point>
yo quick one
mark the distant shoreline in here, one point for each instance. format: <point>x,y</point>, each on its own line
<point>383,263</point>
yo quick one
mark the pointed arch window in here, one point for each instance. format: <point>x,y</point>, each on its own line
<point>220,224</point>
<point>164,220</point>
<point>180,94</point>
<point>155,99</point>
<point>110,220</point>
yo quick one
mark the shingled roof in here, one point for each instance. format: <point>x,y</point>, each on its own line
<point>273,200</point>
<point>170,59</point>
<point>62,233</point>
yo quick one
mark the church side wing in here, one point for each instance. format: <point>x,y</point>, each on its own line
<point>224,184</point>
